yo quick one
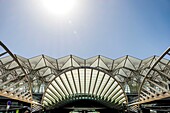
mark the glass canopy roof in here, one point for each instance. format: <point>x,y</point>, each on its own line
<point>80,82</point>
<point>62,78</point>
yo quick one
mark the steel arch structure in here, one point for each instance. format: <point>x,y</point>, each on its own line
<point>20,77</point>
<point>14,80</point>
<point>156,83</point>
<point>84,82</point>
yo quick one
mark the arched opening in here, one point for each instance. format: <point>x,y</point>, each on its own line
<point>84,84</point>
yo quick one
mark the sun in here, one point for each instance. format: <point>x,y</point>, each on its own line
<point>59,7</point>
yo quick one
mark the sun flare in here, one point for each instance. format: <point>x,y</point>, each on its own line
<point>59,7</point>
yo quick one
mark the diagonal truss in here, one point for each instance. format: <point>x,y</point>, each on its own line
<point>156,84</point>
<point>14,82</point>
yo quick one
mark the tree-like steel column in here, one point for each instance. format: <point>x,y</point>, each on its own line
<point>15,83</point>
<point>155,85</point>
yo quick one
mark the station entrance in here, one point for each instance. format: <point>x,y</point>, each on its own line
<point>73,84</point>
<point>84,90</point>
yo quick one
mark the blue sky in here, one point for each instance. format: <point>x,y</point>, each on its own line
<point>112,28</point>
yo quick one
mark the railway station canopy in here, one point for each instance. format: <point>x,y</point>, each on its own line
<point>70,78</point>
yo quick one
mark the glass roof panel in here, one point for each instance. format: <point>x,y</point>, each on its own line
<point>122,72</point>
<point>146,62</point>
<point>50,98</point>
<point>104,81</point>
<point>121,64</point>
<point>123,100</point>
<point>50,61</point>
<point>80,61</point>
<point>136,62</point>
<point>102,64</point>
<point>90,61</point>
<point>76,78</point>
<point>52,94</point>
<point>81,71</point>
<point>75,64</point>
<point>118,61</point>
<point>62,61</point>
<point>93,80</point>
<point>13,65</point>
<point>120,97</point>
<point>107,61</point>
<point>58,89</point>
<point>54,90</point>
<point>116,88</point>
<point>115,95</point>
<point>50,64</point>
<point>113,85</point>
<point>107,87</point>
<point>119,78</point>
<point>129,64</point>
<point>59,82</point>
<point>47,72</point>
<point>63,77</point>
<point>95,64</point>
<point>67,64</point>
<point>99,80</point>
<point>88,80</point>
<point>40,64</point>
<point>6,59</point>
<point>23,60</point>
<point>70,80</point>
<point>33,61</point>
<point>50,77</point>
